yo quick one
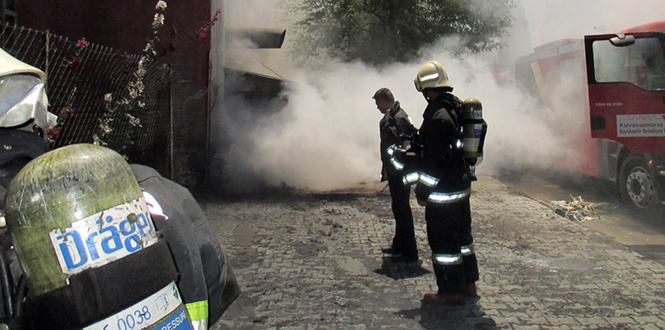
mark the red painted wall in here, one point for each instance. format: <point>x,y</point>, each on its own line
<point>125,25</point>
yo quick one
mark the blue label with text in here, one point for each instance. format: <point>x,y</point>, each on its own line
<point>179,321</point>
<point>161,310</point>
<point>103,237</point>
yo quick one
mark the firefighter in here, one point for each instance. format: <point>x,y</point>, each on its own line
<point>395,126</point>
<point>444,187</point>
<point>205,279</point>
<point>23,109</point>
<point>23,105</point>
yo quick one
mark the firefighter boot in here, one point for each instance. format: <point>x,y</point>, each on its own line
<point>471,290</point>
<point>389,250</point>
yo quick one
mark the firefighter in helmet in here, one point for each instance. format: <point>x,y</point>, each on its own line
<point>23,105</point>
<point>188,253</point>
<point>444,187</point>
<point>23,110</point>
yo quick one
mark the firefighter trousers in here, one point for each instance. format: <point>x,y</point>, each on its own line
<point>405,238</point>
<point>449,236</point>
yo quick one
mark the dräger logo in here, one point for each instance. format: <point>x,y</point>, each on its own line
<point>104,237</point>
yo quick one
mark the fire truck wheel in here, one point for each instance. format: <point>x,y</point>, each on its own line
<point>636,185</point>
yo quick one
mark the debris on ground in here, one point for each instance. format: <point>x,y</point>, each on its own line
<point>578,209</point>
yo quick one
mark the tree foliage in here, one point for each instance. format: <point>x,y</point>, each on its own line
<point>384,31</point>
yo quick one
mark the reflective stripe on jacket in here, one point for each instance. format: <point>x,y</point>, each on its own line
<point>395,124</point>
<point>444,176</point>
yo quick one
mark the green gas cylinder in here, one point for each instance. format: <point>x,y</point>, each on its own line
<point>55,196</point>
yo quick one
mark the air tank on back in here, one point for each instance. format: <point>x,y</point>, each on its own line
<point>55,191</point>
<point>75,214</point>
<point>474,129</point>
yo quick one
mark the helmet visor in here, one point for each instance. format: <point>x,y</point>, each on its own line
<point>22,98</point>
<point>417,83</point>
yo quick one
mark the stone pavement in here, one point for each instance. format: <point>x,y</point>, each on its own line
<point>313,261</point>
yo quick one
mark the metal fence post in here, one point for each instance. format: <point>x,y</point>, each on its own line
<point>47,48</point>
<point>171,126</point>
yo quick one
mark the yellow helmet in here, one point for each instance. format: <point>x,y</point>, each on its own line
<point>432,75</point>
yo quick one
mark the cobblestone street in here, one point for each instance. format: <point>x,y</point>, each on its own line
<point>313,261</point>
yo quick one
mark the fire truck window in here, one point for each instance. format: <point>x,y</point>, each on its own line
<point>654,64</point>
<point>642,64</point>
<point>609,62</point>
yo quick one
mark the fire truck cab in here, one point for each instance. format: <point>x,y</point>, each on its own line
<point>619,83</point>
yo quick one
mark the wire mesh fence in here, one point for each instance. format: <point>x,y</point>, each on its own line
<point>85,84</point>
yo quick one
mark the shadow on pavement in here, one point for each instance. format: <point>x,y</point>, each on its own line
<point>466,316</point>
<point>399,270</point>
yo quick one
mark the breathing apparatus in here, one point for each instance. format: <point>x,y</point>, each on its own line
<point>474,130</point>
<point>91,256</point>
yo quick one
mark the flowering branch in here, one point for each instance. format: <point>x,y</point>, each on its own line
<point>202,33</point>
<point>121,107</point>
<point>134,89</point>
<point>80,46</point>
<point>67,111</point>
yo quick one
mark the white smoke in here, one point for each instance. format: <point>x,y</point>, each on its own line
<point>326,136</point>
<point>550,20</point>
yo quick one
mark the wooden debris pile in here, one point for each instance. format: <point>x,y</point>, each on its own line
<point>578,209</point>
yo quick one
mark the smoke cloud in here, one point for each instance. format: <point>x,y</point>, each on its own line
<point>323,132</point>
<point>551,20</point>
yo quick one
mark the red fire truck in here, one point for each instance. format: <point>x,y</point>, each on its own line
<point>609,90</point>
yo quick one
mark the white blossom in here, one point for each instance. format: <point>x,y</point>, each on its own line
<point>161,5</point>
<point>159,20</point>
<point>108,97</point>
<point>134,121</point>
<point>141,70</point>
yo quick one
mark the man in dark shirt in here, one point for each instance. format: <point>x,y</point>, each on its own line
<point>394,127</point>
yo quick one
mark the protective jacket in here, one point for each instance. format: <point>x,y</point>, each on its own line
<point>206,280</point>
<point>443,174</point>
<point>444,182</point>
<point>393,127</point>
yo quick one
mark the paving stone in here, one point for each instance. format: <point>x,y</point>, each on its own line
<point>593,321</point>
<point>313,261</point>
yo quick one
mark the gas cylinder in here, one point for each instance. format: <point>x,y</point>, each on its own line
<point>474,129</point>
<point>79,208</point>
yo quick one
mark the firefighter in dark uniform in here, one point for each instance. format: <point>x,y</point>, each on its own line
<point>444,187</point>
<point>206,280</point>
<point>394,127</point>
